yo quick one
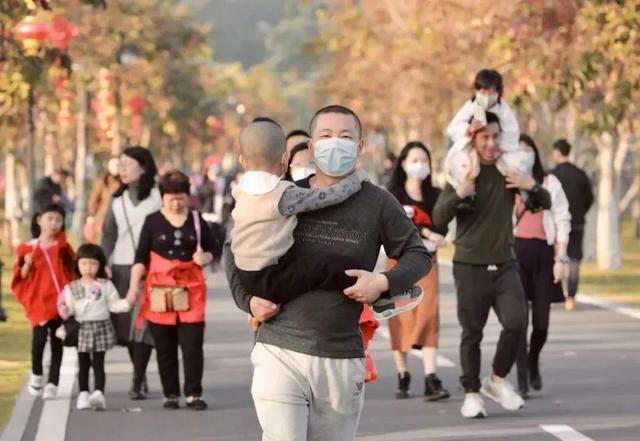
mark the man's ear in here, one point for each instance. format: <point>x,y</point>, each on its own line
<point>243,162</point>
<point>361,146</point>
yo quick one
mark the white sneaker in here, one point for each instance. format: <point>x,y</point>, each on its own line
<point>35,385</point>
<point>473,407</point>
<point>50,392</point>
<point>82,403</point>
<point>97,400</point>
<point>502,393</point>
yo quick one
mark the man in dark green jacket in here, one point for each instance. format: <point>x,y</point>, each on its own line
<point>485,269</point>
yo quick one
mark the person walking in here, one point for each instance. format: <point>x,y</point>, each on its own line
<point>577,187</point>
<point>309,366</point>
<point>484,268</point>
<point>541,240</point>
<point>99,200</point>
<point>410,183</point>
<point>175,244</point>
<point>136,198</point>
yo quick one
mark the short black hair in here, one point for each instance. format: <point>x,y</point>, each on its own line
<point>336,108</point>
<point>49,208</point>
<point>91,251</point>
<point>487,79</point>
<point>174,182</point>
<point>563,146</point>
<point>493,118</point>
<point>297,132</point>
<point>266,119</point>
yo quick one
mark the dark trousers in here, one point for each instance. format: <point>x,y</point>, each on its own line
<point>479,288</point>
<point>574,251</point>
<point>87,361</point>
<point>294,275</point>
<point>190,338</point>
<point>140,354</point>
<point>38,343</point>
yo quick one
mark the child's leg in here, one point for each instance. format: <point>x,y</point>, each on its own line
<point>56,352</point>
<point>38,342</point>
<point>84,364</point>
<point>295,275</point>
<point>99,376</point>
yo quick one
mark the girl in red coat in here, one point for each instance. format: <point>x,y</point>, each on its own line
<point>44,266</point>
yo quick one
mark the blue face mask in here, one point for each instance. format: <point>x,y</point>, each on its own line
<point>335,156</point>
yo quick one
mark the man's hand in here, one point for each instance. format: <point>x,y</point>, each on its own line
<point>263,309</point>
<point>467,186</point>
<point>368,287</point>
<point>515,179</point>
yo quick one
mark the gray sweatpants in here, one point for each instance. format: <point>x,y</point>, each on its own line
<point>300,397</point>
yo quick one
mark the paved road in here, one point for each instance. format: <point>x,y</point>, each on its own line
<point>590,371</point>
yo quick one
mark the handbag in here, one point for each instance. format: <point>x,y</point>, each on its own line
<point>71,327</point>
<point>164,298</point>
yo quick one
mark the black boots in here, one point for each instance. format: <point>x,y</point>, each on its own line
<point>404,380</point>
<point>433,390</point>
<point>535,379</point>
<point>136,392</point>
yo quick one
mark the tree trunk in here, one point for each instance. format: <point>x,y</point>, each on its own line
<point>30,156</point>
<point>608,252</point>
<point>12,212</point>
<point>81,159</point>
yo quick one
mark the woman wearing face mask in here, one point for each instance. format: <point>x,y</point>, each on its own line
<point>411,185</point>
<point>300,163</point>
<point>541,240</point>
<point>136,198</point>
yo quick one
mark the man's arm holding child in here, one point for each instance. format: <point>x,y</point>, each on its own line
<point>296,199</point>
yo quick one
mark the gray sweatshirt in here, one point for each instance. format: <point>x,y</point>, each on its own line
<point>324,323</point>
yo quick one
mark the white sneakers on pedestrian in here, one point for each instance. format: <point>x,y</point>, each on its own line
<point>473,406</point>
<point>97,400</point>
<point>50,392</point>
<point>82,402</point>
<point>35,385</point>
<point>502,393</point>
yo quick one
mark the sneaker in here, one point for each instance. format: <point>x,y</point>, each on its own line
<point>473,406</point>
<point>50,392</point>
<point>35,385</point>
<point>171,404</point>
<point>196,403</point>
<point>433,390</point>
<point>404,381</point>
<point>502,393</point>
<point>385,308</point>
<point>82,403</point>
<point>97,400</point>
<point>570,304</point>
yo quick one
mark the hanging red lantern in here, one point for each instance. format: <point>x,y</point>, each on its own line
<point>62,32</point>
<point>32,31</point>
<point>137,104</point>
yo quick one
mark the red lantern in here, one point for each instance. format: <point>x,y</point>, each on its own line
<point>137,104</point>
<point>32,31</point>
<point>62,32</point>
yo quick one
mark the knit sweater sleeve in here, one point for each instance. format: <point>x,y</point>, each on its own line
<point>445,209</point>
<point>296,199</point>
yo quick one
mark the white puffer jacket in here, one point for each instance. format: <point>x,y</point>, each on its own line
<point>557,220</point>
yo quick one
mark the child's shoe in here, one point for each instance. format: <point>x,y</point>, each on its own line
<point>50,392</point>
<point>97,400</point>
<point>82,402</point>
<point>35,385</point>
<point>386,307</point>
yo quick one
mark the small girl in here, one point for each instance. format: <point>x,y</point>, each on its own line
<point>90,299</point>
<point>44,266</point>
<point>461,161</point>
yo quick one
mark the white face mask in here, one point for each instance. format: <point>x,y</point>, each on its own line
<point>335,156</point>
<point>417,170</point>
<point>486,101</point>
<point>298,173</point>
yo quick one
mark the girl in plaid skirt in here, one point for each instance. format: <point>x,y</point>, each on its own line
<point>90,299</point>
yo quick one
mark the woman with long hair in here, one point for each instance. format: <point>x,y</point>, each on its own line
<point>136,198</point>
<point>419,328</point>
<point>541,239</point>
